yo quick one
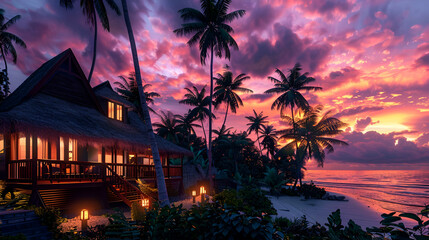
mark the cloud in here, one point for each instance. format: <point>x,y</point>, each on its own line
<point>260,57</point>
<point>259,97</point>
<point>423,140</point>
<point>423,61</point>
<point>356,110</point>
<point>362,123</point>
<point>375,148</point>
<point>327,9</point>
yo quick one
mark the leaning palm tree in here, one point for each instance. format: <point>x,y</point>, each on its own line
<point>226,91</point>
<point>211,31</point>
<point>168,126</point>
<point>92,8</point>
<point>269,139</point>
<point>255,125</point>
<point>7,39</point>
<point>127,88</point>
<point>199,101</point>
<point>314,135</point>
<point>160,180</point>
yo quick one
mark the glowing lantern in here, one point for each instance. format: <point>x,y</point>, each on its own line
<point>84,216</point>
<point>194,195</point>
<point>145,203</point>
<point>202,192</point>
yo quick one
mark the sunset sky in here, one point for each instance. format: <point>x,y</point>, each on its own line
<point>370,57</point>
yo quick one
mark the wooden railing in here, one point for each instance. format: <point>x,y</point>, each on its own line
<point>121,187</point>
<point>55,170</point>
<point>20,170</point>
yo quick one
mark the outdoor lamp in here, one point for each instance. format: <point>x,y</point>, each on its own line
<point>202,192</point>
<point>84,216</point>
<point>194,195</point>
<point>145,203</point>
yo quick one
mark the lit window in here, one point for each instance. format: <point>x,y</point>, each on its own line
<point>72,150</point>
<point>22,146</point>
<point>42,149</point>
<point>119,112</point>
<point>111,110</point>
<point>61,148</point>
<point>114,111</point>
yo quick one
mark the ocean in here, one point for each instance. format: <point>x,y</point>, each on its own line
<point>383,190</point>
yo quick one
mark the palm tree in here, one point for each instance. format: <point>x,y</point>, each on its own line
<point>168,127</point>
<point>269,139</point>
<point>233,145</point>
<point>314,135</point>
<point>255,125</point>
<point>160,180</point>
<point>199,101</point>
<point>7,39</point>
<point>211,30</point>
<point>92,8</point>
<point>223,131</point>
<point>226,91</point>
<point>187,125</point>
<point>289,88</point>
<point>128,89</point>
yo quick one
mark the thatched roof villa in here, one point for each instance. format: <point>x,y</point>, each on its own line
<point>71,145</point>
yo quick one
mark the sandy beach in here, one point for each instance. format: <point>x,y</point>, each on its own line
<point>317,210</point>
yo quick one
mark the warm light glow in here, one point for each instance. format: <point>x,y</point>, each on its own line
<point>194,193</point>
<point>21,147</point>
<point>119,112</point>
<point>84,215</point>
<point>202,190</point>
<point>145,203</point>
<point>111,110</point>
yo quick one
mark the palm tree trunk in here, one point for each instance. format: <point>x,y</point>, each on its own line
<point>226,114</point>
<point>259,143</point>
<point>296,152</point>
<point>94,53</point>
<point>210,123</point>
<point>4,59</point>
<point>160,180</point>
<point>204,131</point>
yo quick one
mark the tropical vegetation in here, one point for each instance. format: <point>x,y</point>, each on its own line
<point>91,9</point>
<point>211,31</point>
<point>7,42</point>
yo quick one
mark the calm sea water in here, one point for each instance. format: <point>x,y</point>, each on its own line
<point>385,190</point>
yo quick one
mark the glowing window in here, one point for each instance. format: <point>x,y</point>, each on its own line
<point>119,112</point>
<point>1,144</point>
<point>22,146</point>
<point>42,149</point>
<point>111,110</point>
<point>61,148</point>
<point>72,150</point>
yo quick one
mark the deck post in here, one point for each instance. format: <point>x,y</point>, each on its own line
<point>103,160</point>
<point>7,153</point>
<point>168,166</point>
<point>34,162</point>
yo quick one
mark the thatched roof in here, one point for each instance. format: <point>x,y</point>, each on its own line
<point>49,116</point>
<point>105,90</point>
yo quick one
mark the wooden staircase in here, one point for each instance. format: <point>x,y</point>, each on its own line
<point>123,190</point>
<point>56,198</point>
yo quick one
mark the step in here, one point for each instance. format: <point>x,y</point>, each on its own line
<point>4,215</point>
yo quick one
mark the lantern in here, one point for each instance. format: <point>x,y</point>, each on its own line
<point>194,195</point>
<point>202,193</point>
<point>84,217</point>
<point>145,203</point>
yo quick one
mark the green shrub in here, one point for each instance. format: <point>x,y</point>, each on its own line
<point>311,191</point>
<point>249,200</point>
<point>274,180</point>
<point>300,229</point>
<point>207,221</point>
<point>138,212</point>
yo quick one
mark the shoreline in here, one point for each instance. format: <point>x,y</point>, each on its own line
<point>317,210</point>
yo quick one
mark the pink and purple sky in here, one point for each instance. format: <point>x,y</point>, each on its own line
<point>370,56</point>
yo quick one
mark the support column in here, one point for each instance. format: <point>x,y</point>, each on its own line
<point>103,160</point>
<point>34,163</point>
<point>168,166</point>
